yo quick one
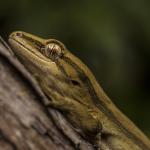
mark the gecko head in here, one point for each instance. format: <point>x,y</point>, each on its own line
<point>24,43</point>
<point>35,53</point>
<point>54,67</point>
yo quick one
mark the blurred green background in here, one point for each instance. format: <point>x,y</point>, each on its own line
<point>111,36</point>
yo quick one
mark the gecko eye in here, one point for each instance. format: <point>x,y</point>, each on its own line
<point>53,51</point>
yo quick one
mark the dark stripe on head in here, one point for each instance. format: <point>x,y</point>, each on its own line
<point>101,105</point>
<point>61,68</point>
<point>38,44</point>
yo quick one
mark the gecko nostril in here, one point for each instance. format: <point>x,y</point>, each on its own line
<point>18,34</point>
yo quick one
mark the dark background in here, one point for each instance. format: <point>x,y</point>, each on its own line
<point>111,36</point>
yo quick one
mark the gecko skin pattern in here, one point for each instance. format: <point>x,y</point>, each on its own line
<point>72,88</point>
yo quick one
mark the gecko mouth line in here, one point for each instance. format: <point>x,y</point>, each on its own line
<point>31,52</point>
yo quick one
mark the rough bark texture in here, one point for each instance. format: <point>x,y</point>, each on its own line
<point>25,122</point>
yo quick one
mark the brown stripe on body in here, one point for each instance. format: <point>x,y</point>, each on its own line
<point>102,106</point>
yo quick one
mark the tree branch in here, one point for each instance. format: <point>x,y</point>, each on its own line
<point>25,122</point>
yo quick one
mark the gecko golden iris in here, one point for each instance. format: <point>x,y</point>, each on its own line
<point>72,88</point>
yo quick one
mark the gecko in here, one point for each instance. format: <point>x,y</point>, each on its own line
<point>72,89</point>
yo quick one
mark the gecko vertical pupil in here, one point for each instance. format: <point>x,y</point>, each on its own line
<point>53,51</point>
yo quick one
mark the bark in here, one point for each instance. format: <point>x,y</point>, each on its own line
<point>25,122</point>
